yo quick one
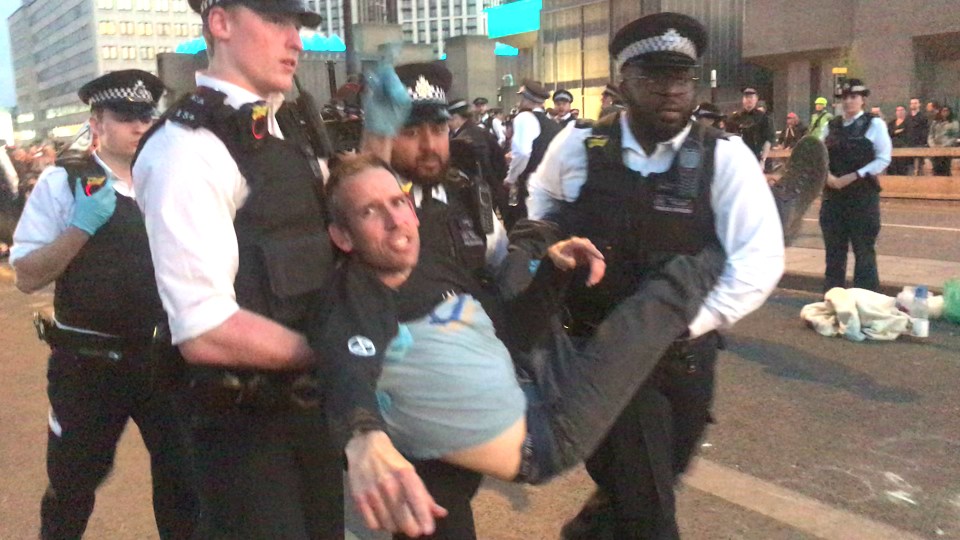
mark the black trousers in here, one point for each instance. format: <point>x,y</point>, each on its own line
<point>851,221</point>
<point>452,488</point>
<point>653,441</point>
<point>267,475</point>
<point>91,400</point>
<point>942,166</point>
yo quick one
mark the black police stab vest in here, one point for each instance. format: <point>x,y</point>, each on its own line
<point>453,248</point>
<point>285,254</point>
<point>109,287</point>
<point>849,149</point>
<point>548,130</point>
<point>639,221</point>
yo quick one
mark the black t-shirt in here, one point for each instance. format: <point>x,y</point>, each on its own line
<point>350,331</point>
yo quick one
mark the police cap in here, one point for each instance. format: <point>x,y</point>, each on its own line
<point>660,40</point>
<point>130,91</point>
<point>534,91</point>
<point>460,106</point>
<point>562,95</point>
<point>853,87</point>
<point>480,101</point>
<point>427,83</point>
<point>307,18</point>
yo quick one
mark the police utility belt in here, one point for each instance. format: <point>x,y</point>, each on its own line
<point>86,344</point>
<point>212,390</point>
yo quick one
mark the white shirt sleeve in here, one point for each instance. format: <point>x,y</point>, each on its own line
<point>561,174</point>
<point>189,189</point>
<point>526,129</point>
<point>882,146</point>
<point>749,229</point>
<point>497,244</point>
<point>498,130</point>
<point>46,215</point>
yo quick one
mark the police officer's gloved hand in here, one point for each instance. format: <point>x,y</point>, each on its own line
<point>386,104</point>
<point>90,212</point>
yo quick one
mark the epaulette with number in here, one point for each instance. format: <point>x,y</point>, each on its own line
<point>194,110</point>
<point>584,123</point>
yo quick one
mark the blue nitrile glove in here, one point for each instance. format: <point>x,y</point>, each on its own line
<point>386,103</point>
<point>90,212</point>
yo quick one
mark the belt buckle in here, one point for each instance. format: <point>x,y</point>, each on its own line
<point>41,328</point>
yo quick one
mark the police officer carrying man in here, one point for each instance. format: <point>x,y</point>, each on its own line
<point>532,132</point>
<point>231,193</point>
<point>82,229</point>
<point>645,184</point>
<point>753,125</point>
<point>859,147</point>
<point>461,242</point>
<point>562,101</point>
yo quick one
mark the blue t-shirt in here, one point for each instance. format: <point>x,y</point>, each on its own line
<point>448,382</point>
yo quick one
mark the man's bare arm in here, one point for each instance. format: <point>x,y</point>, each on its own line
<point>42,266</point>
<point>249,341</point>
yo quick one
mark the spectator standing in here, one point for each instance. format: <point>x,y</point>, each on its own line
<point>820,118</point>
<point>610,100</point>
<point>897,128</point>
<point>792,133</point>
<point>943,134</point>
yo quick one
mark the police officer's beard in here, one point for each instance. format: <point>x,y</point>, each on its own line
<point>649,125</point>
<point>425,170</point>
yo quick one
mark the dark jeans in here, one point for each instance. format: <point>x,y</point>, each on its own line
<point>900,167</point>
<point>452,488</point>
<point>583,393</point>
<point>91,400</point>
<point>851,221</point>
<point>941,166</point>
<point>267,475</point>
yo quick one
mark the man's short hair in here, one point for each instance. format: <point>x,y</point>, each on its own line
<point>347,169</point>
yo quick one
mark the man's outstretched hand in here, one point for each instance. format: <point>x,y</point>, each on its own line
<point>576,251</point>
<point>386,489</point>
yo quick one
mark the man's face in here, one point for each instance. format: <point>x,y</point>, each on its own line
<point>791,120</point>
<point>914,105</point>
<point>421,152</point>
<point>749,101</point>
<point>819,107</point>
<point>852,104</point>
<point>931,107</point>
<point>119,134</point>
<point>561,107</point>
<point>901,113</point>
<point>379,225</point>
<point>262,49</point>
<point>659,99</point>
<point>606,100</point>
<point>480,109</point>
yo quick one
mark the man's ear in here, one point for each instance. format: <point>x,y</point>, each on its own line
<point>340,237</point>
<point>219,22</point>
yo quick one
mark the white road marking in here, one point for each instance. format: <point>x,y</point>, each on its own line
<point>786,506</point>
<point>920,227</point>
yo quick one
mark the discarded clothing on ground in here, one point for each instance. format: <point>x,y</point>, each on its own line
<point>856,314</point>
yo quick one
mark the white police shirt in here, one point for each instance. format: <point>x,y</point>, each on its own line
<point>747,222</point>
<point>189,191</point>
<point>526,129</point>
<point>48,213</point>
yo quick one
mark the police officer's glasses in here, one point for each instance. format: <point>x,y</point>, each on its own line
<point>664,79</point>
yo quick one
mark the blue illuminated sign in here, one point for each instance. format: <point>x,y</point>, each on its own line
<point>513,18</point>
<point>311,43</point>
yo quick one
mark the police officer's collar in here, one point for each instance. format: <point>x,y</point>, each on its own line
<point>237,96</point>
<point>628,141</point>
<point>852,120</point>
<point>123,188</point>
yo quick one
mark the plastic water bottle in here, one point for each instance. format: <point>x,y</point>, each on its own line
<point>920,313</point>
<point>513,198</point>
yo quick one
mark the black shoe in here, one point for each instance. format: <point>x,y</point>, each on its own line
<point>801,184</point>
<point>595,521</point>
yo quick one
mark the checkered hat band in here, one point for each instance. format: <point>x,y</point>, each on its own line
<point>855,89</point>
<point>207,4</point>
<point>426,93</point>
<point>136,94</point>
<point>669,41</point>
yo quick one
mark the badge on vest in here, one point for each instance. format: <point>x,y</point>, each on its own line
<point>468,234</point>
<point>678,193</point>
<point>598,141</point>
<point>258,121</point>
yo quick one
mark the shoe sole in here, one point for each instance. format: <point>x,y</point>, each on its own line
<point>800,185</point>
